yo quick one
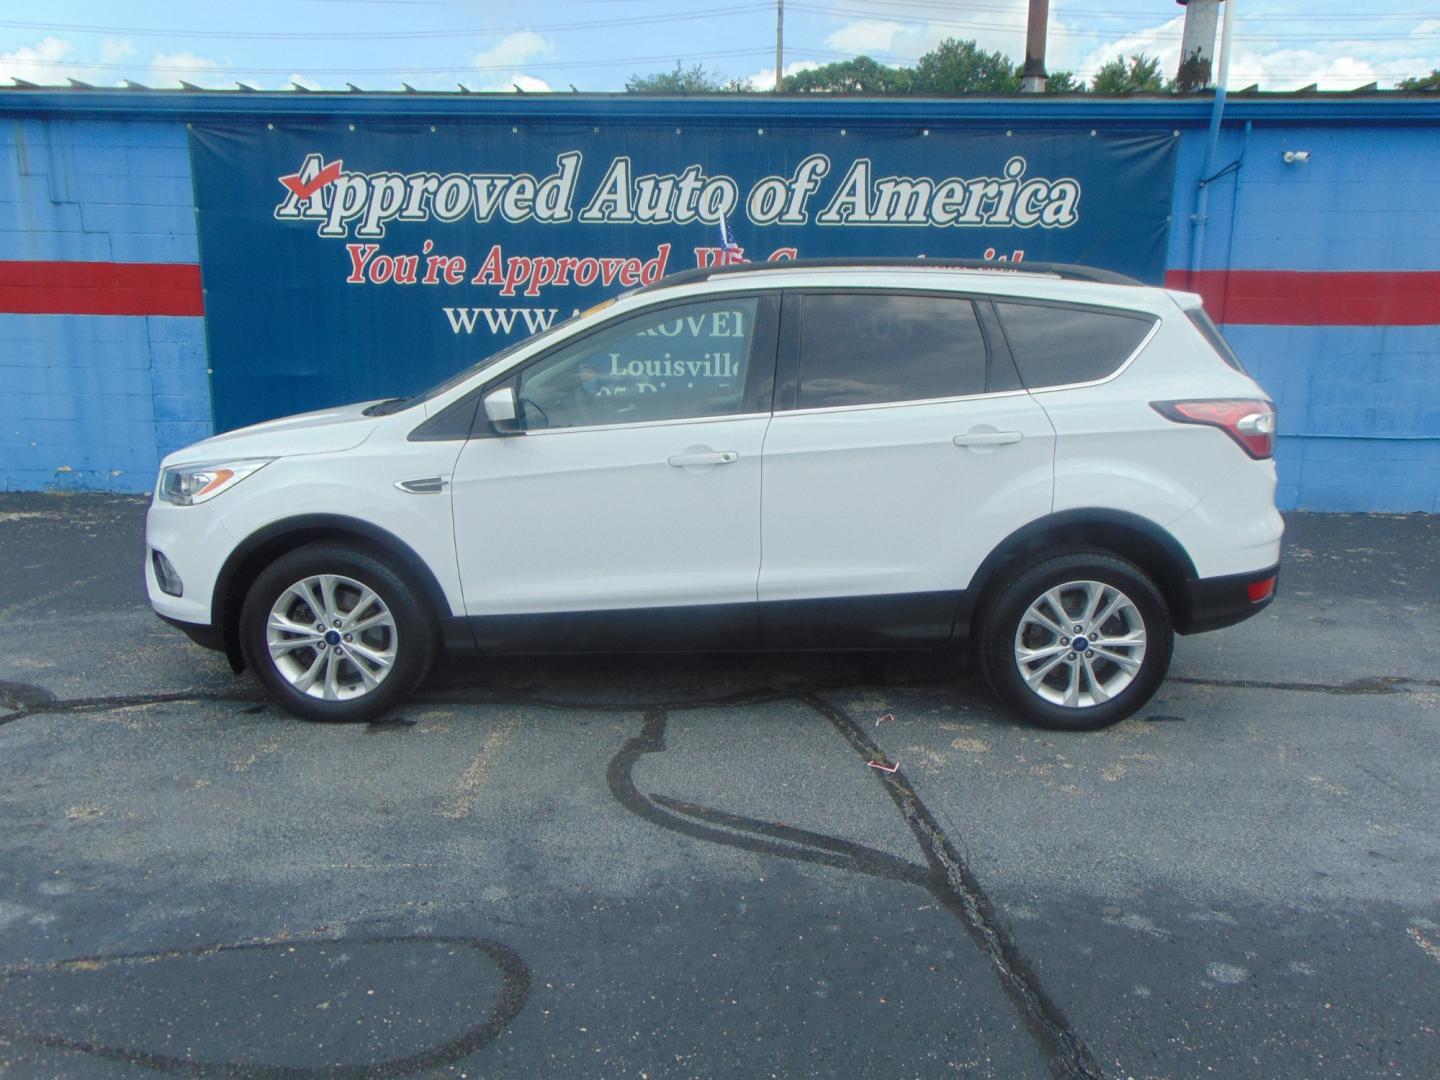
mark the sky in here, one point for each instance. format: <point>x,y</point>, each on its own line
<point>595,45</point>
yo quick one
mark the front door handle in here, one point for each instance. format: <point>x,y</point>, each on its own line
<point>709,457</point>
<point>988,438</point>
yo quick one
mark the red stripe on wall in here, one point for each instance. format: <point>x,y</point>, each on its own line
<point>1316,297</point>
<point>100,288</point>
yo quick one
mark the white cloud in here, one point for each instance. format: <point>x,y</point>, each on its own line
<point>112,51</point>
<point>513,51</point>
<point>1162,42</point>
<point>305,81</point>
<point>911,32</point>
<point>531,84</point>
<point>865,36</point>
<point>42,63</point>
<point>764,79</point>
<point>168,69</point>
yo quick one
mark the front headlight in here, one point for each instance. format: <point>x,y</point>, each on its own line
<point>186,485</point>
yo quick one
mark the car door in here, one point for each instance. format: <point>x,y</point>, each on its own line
<point>626,511</point>
<point>902,451</point>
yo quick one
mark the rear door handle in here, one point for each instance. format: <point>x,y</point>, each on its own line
<point>988,438</point>
<point>711,457</point>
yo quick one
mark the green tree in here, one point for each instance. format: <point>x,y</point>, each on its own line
<point>1063,82</point>
<point>952,67</point>
<point>958,67</point>
<point>1141,75</point>
<point>859,76</point>
<point>1423,82</point>
<point>685,80</point>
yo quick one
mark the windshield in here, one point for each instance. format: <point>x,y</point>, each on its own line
<point>394,405</point>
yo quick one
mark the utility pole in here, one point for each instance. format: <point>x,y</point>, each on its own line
<point>779,45</point>
<point>1197,45</point>
<point>1032,75</point>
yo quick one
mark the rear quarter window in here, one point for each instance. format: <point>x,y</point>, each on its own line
<point>1056,346</point>
<point>1211,333</point>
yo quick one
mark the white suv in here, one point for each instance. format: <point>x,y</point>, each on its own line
<point>1059,467</point>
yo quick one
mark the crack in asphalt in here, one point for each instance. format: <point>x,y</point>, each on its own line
<point>946,875</point>
<point>514,991</point>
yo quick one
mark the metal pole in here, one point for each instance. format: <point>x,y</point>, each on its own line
<point>1217,111</point>
<point>1032,75</point>
<point>779,45</point>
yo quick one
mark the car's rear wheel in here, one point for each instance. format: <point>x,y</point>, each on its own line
<point>1077,641</point>
<point>335,633</point>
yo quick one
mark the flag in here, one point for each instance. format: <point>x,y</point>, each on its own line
<point>730,252</point>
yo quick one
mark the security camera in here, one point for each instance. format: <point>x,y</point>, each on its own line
<point>1294,156</point>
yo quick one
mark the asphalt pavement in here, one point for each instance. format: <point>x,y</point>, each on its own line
<point>669,866</point>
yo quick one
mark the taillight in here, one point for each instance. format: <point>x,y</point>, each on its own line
<point>1249,422</point>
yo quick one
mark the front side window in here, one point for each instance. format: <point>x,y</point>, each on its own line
<point>680,361</point>
<point>869,348</point>
<point>1056,346</point>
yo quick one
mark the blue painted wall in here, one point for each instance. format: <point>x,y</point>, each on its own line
<point>96,401</point>
<point>1359,406</point>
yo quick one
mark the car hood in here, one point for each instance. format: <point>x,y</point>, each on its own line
<point>325,431</point>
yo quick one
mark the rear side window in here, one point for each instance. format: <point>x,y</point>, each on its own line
<point>867,348</point>
<point>1055,346</point>
<point>1211,333</point>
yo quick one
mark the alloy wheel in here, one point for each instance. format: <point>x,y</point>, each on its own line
<point>331,637</point>
<point>1080,644</point>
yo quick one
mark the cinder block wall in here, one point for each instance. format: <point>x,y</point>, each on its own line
<point>94,400</point>
<point>1327,283</point>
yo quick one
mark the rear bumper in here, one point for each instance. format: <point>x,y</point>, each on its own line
<point>1216,602</point>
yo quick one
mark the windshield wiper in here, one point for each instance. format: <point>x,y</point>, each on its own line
<point>388,406</point>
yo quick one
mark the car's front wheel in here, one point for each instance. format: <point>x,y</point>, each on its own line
<point>334,633</point>
<point>1076,642</point>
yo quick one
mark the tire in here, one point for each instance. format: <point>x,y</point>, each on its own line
<point>357,671</point>
<point>1102,684</point>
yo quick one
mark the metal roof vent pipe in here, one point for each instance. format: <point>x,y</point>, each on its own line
<point>1032,75</point>
<point>1198,44</point>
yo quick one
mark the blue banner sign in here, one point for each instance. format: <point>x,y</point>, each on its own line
<point>343,265</point>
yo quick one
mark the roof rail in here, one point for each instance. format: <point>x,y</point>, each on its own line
<point>1068,271</point>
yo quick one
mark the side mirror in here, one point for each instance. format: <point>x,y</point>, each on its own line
<point>502,411</point>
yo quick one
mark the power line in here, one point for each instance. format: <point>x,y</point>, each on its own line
<point>1059,28</point>
<point>453,69</point>
<point>1149,12</point>
<point>366,35</point>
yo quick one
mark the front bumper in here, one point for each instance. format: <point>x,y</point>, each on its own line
<point>196,544</point>
<point>1216,602</point>
<point>211,637</point>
